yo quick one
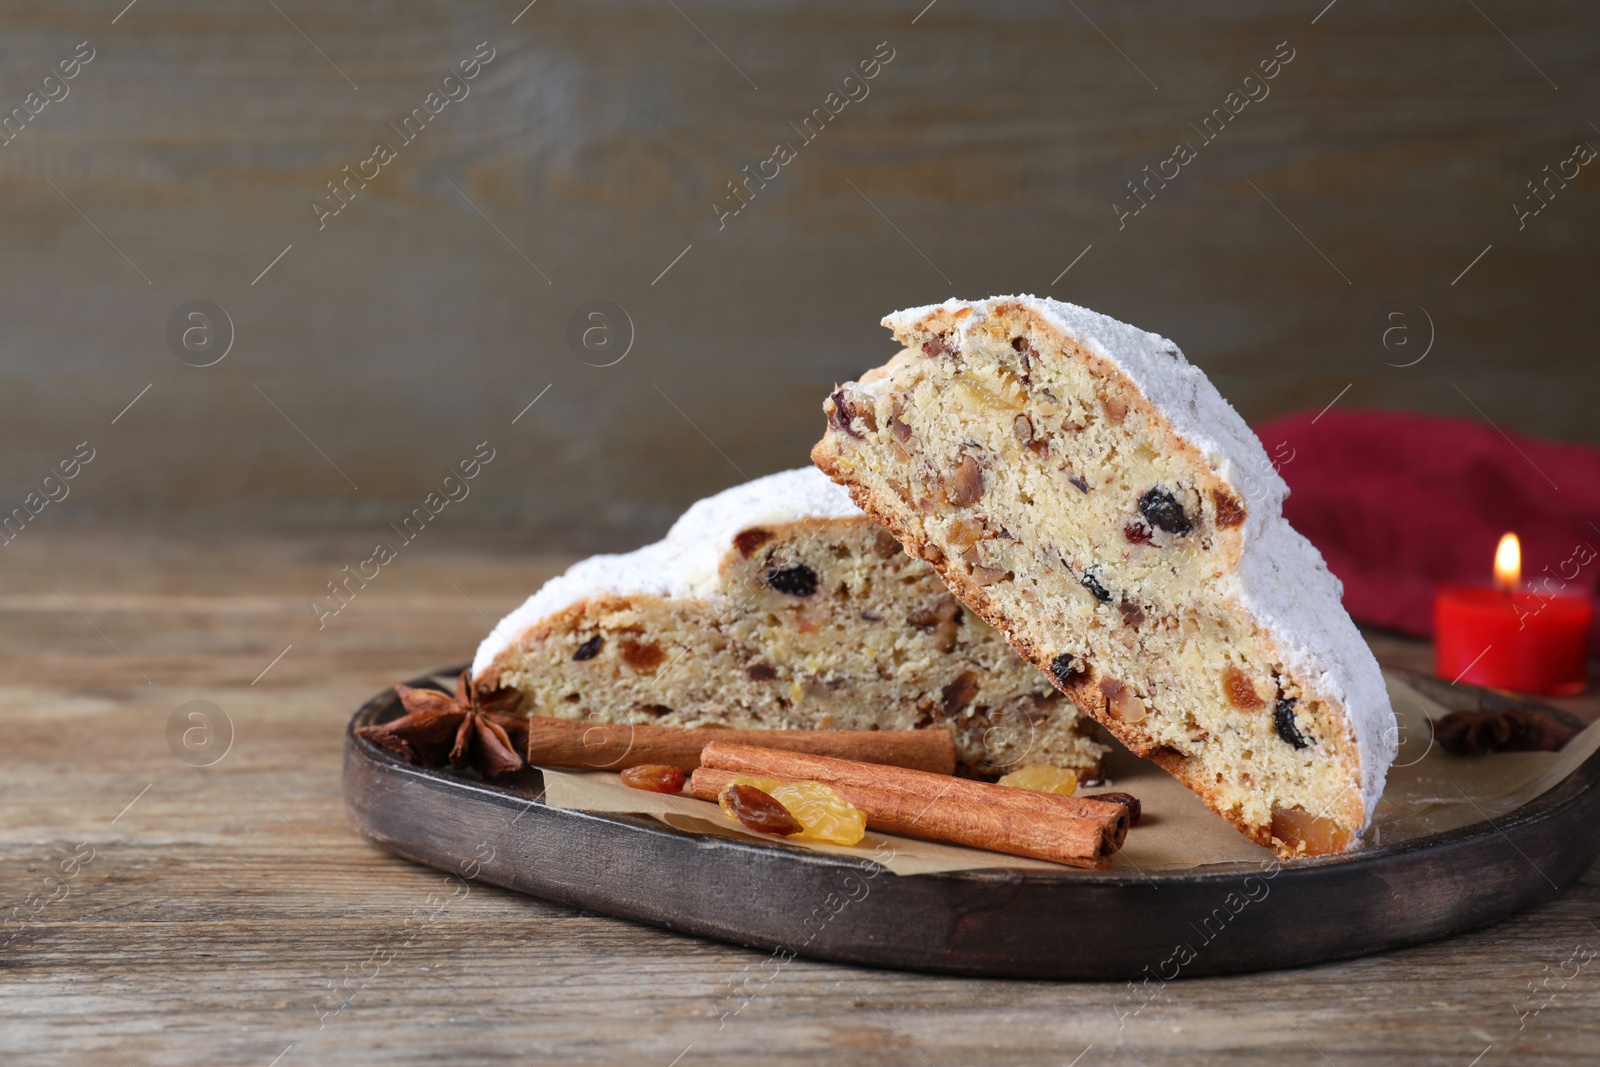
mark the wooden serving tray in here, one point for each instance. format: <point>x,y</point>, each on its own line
<point>1075,924</point>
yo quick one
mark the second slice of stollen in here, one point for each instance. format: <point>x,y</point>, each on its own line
<point>1081,486</point>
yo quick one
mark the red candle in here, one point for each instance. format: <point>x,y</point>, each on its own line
<point>1510,636</point>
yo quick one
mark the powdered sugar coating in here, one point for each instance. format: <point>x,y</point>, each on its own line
<point>684,563</point>
<point>1281,578</point>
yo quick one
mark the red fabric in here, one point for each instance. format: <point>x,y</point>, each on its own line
<point>1400,504</point>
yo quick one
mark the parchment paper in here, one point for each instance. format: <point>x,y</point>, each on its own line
<point>1428,791</point>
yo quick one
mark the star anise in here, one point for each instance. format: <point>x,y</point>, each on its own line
<point>1475,733</point>
<point>477,729</point>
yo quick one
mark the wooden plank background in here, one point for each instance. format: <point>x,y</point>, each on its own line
<point>585,162</point>
<point>229,915</point>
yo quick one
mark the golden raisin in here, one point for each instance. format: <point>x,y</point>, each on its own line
<point>1042,778</point>
<point>758,810</point>
<point>655,778</point>
<point>822,814</point>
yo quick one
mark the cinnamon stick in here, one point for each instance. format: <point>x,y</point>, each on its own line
<point>998,818</point>
<point>614,747</point>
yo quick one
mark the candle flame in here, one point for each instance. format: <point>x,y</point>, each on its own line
<point>1508,562</point>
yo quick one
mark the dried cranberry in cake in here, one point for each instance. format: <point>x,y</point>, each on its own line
<point>1136,533</point>
<point>1162,510</point>
<point>798,580</point>
<point>590,648</point>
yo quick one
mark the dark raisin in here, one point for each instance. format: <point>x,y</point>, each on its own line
<point>1137,533</point>
<point>759,811</point>
<point>1083,486</point>
<point>1127,800</point>
<point>590,648</point>
<point>655,778</point>
<point>1091,583</point>
<point>1283,719</point>
<point>761,672</point>
<point>798,580</point>
<point>1066,669</point>
<point>1162,510</point>
<point>1132,614</point>
<point>747,541</point>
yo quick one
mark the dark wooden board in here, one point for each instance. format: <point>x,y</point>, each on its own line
<point>1219,919</point>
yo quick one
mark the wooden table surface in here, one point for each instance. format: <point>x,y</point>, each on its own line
<point>161,913</point>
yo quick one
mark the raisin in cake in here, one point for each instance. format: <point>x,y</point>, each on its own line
<point>778,604</point>
<point>1086,490</point>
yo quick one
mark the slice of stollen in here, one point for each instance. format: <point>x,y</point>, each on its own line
<point>778,604</point>
<point>1085,489</point>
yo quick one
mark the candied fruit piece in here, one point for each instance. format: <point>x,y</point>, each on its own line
<point>1288,729</point>
<point>1162,510</point>
<point>590,648</point>
<point>1306,833</point>
<point>641,655</point>
<point>655,778</point>
<point>1229,511</point>
<point>1240,691</point>
<point>1042,778</point>
<point>817,810</point>
<point>798,580</point>
<point>747,541</point>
